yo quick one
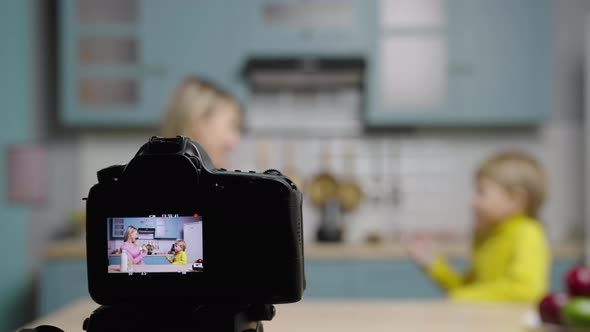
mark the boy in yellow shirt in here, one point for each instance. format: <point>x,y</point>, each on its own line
<point>509,255</point>
<point>180,255</point>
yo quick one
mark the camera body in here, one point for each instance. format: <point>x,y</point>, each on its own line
<point>242,231</point>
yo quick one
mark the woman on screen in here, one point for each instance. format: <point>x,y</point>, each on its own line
<point>134,252</point>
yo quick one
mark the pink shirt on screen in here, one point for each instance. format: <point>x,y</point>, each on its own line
<point>133,252</point>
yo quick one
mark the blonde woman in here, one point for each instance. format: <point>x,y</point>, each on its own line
<point>134,252</point>
<point>207,115</point>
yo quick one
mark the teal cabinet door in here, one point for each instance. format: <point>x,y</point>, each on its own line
<point>172,231</point>
<point>202,38</point>
<point>488,64</point>
<point>291,28</point>
<point>147,259</point>
<point>117,227</point>
<point>63,281</point>
<point>155,260</point>
<point>106,75</point>
<point>367,279</point>
<point>500,61</point>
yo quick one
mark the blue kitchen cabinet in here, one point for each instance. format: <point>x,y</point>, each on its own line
<point>117,228</point>
<point>114,260</point>
<point>498,67</point>
<point>129,222</point>
<point>155,260</point>
<point>121,71</point>
<point>135,222</point>
<point>106,74</point>
<point>63,281</point>
<point>144,54</point>
<point>367,279</point>
<point>171,231</point>
<point>384,279</point>
<point>291,28</point>
<point>119,234</point>
<point>147,259</point>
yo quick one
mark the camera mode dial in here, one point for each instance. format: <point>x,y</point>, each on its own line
<point>273,172</point>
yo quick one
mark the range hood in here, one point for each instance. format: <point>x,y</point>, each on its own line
<point>304,73</point>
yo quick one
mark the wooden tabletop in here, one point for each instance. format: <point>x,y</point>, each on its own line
<point>349,315</point>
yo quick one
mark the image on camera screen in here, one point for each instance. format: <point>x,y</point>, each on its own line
<point>166,243</point>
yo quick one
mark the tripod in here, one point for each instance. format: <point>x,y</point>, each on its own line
<point>206,318</point>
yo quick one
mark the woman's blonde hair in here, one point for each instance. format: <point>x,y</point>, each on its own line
<point>128,233</point>
<point>193,96</point>
<point>516,170</point>
<point>182,244</point>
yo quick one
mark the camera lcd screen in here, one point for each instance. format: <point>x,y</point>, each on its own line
<point>166,243</point>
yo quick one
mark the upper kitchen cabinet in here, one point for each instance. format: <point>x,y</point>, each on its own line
<point>428,62</point>
<point>121,59</point>
<point>460,62</point>
<point>319,27</point>
<point>105,71</point>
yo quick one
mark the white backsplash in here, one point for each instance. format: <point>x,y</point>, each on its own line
<point>431,171</point>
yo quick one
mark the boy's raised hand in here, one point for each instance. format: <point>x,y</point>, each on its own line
<point>421,249</point>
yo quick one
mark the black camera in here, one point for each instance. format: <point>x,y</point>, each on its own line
<point>236,239</point>
<point>241,232</point>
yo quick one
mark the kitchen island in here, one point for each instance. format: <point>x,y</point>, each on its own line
<point>357,315</point>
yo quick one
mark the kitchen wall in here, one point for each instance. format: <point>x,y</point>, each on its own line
<point>428,168</point>
<point>164,245</point>
<point>16,116</point>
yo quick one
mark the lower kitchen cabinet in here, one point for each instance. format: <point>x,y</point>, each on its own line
<point>150,260</point>
<point>63,281</point>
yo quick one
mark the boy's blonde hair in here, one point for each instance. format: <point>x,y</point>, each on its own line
<point>517,170</point>
<point>193,96</point>
<point>182,244</point>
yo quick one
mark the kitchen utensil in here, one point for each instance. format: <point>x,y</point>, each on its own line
<point>331,227</point>
<point>323,186</point>
<point>349,192</point>
<point>323,193</point>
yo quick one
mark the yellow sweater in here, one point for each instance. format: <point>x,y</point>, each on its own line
<point>510,263</point>
<point>179,258</point>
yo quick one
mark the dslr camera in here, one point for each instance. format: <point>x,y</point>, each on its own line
<point>238,237</point>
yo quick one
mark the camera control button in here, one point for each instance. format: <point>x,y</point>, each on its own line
<point>253,172</point>
<point>272,172</point>
<point>222,169</point>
